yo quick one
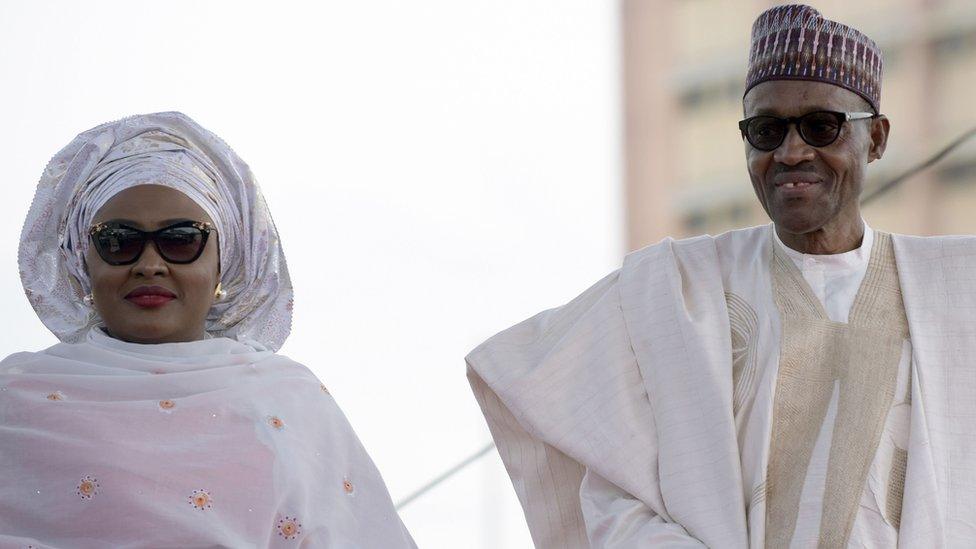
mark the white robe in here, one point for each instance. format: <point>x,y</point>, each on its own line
<point>632,381</point>
<point>201,444</point>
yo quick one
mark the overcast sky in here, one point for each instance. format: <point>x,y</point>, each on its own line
<point>438,170</point>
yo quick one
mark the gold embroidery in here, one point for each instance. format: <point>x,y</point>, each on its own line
<point>896,487</point>
<point>861,359</point>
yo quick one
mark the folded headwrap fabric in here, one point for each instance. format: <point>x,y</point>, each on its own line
<point>209,443</point>
<point>795,42</point>
<point>162,149</point>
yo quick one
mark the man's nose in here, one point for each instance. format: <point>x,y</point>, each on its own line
<point>793,150</point>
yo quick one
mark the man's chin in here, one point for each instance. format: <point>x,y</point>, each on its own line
<point>796,225</point>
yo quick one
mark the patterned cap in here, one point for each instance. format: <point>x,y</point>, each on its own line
<point>794,42</point>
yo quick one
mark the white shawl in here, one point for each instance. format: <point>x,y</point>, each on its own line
<point>208,443</point>
<point>633,380</point>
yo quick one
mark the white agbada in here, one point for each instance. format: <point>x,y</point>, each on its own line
<point>210,443</point>
<point>616,419</point>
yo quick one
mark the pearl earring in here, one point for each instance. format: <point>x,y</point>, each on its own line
<point>219,293</point>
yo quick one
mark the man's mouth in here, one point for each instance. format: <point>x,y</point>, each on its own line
<point>796,180</point>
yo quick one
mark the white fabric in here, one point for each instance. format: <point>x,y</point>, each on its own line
<point>834,278</point>
<point>614,518</point>
<point>631,384</point>
<point>163,149</point>
<point>208,443</point>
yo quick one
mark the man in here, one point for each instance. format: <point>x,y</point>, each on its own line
<point>808,383</point>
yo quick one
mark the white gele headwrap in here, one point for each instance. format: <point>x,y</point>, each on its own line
<point>161,149</point>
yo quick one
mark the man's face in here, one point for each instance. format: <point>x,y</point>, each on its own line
<point>828,180</point>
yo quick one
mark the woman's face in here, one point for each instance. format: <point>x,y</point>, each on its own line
<point>192,285</point>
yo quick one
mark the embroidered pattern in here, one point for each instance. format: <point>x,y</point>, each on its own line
<point>166,406</point>
<point>56,395</point>
<point>88,487</point>
<point>896,487</point>
<point>348,487</point>
<point>276,422</point>
<point>201,499</point>
<point>744,324</point>
<point>823,363</point>
<point>289,528</point>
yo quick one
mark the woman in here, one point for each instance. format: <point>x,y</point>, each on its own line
<point>165,418</point>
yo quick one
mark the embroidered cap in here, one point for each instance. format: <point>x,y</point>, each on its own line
<point>795,42</point>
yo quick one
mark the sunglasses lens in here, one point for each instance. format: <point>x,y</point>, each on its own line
<point>180,244</point>
<point>766,132</point>
<point>819,128</point>
<point>119,245</point>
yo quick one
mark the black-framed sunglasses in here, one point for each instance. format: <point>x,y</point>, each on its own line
<point>819,129</point>
<point>180,243</point>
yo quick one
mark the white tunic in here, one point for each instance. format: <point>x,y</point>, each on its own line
<point>835,280</point>
<point>614,413</point>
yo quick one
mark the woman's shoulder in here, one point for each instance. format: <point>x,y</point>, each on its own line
<point>17,359</point>
<point>291,369</point>
<point>21,359</point>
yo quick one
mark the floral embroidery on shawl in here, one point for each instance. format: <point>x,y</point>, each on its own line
<point>201,499</point>
<point>289,528</point>
<point>88,487</point>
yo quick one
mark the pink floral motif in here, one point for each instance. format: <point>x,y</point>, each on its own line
<point>348,487</point>
<point>201,499</point>
<point>166,406</point>
<point>56,395</point>
<point>276,422</point>
<point>289,528</point>
<point>88,487</point>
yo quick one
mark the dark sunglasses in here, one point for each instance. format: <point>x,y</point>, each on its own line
<point>819,129</point>
<point>119,244</point>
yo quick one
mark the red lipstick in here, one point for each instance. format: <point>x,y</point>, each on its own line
<point>150,297</point>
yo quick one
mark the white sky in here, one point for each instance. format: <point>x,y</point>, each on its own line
<point>438,170</point>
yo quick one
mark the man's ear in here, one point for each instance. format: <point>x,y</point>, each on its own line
<point>880,126</point>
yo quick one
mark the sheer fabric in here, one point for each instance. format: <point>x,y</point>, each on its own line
<point>209,443</point>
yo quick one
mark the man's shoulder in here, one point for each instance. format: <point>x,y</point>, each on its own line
<point>687,251</point>
<point>937,240</point>
<point>601,306</point>
<point>747,237</point>
<point>545,328</point>
<point>912,248</point>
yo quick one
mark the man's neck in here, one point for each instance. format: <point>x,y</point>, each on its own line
<point>825,241</point>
